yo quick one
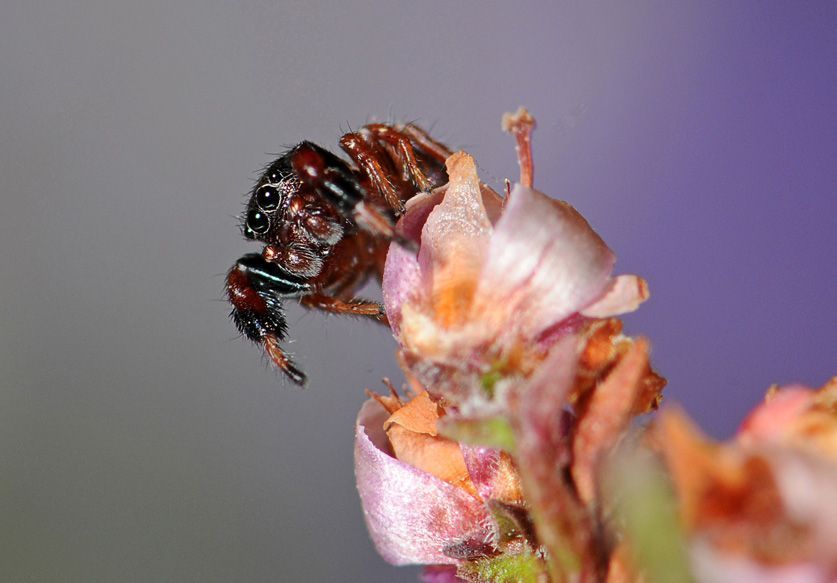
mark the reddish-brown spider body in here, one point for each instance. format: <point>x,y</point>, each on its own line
<point>326,224</point>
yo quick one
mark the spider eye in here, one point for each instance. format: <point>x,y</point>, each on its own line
<point>267,198</point>
<point>257,222</point>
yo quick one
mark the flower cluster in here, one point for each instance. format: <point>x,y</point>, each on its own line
<point>515,455</point>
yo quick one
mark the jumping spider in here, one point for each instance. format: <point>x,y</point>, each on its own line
<point>326,224</point>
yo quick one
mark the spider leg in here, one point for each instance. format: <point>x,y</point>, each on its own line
<point>354,307</point>
<point>256,288</point>
<point>369,158</point>
<point>334,180</point>
<point>280,359</point>
<point>425,144</point>
<point>327,175</point>
<point>401,150</point>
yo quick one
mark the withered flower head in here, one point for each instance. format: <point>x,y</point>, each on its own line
<point>517,457</point>
<point>762,505</point>
<point>496,281</point>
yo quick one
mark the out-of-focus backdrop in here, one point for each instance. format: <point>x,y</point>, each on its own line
<point>140,440</point>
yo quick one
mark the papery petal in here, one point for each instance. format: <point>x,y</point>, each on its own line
<point>402,274</point>
<point>798,417</point>
<point>402,277</point>
<point>625,294</point>
<point>416,211</point>
<point>411,515</point>
<point>454,242</point>
<point>544,263</point>
<point>420,415</point>
<point>777,414</point>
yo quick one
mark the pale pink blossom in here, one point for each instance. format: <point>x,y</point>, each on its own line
<point>495,282</point>
<point>796,416</point>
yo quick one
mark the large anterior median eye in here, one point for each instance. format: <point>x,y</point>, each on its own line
<point>257,222</point>
<point>267,197</point>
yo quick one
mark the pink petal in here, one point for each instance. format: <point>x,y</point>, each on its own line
<point>411,516</point>
<point>455,236</point>
<point>544,262</point>
<point>772,418</point>
<point>402,277</point>
<point>625,294</point>
<point>482,464</point>
<point>418,209</point>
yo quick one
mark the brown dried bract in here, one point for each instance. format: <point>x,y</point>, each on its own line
<point>604,346</point>
<point>606,417</point>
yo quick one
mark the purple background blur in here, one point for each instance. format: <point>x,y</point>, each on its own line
<point>141,441</point>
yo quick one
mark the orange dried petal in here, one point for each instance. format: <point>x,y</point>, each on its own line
<point>437,456</point>
<point>418,416</point>
<point>414,440</point>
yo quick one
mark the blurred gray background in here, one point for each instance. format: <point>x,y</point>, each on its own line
<point>140,440</point>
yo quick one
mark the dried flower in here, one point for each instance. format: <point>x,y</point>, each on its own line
<point>523,382</point>
<point>762,506</point>
<point>517,457</point>
<point>495,284</point>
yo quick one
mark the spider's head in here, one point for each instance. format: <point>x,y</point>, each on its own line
<point>268,199</point>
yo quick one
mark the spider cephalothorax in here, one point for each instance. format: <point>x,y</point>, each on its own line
<point>326,224</point>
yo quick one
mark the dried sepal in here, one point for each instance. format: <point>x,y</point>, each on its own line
<point>606,418</point>
<point>603,346</point>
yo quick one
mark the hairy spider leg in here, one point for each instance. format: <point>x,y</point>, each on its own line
<point>423,142</point>
<point>334,180</point>
<point>256,288</point>
<point>370,158</point>
<point>401,150</point>
<point>355,307</point>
